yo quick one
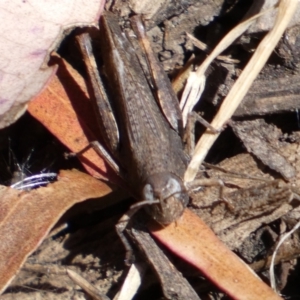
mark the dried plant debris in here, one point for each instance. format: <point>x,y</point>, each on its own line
<point>174,285</point>
<point>157,11</point>
<point>275,90</point>
<point>263,140</point>
<point>241,215</point>
<point>288,48</point>
<point>86,252</point>
<point>253,200</point>
<point>174,19</point>
<point>276,94</point>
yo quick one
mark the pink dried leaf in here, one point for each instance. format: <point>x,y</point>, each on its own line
<point>29,31</point>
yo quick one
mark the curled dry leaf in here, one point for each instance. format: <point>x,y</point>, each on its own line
<point>27,217</point>
<point>29,31</point>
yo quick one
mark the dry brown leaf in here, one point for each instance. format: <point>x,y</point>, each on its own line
<point>27,217</point>
<point>65,110</point>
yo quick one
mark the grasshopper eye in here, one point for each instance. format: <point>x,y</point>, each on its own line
<point>148,193</point>
<point>172,187</point>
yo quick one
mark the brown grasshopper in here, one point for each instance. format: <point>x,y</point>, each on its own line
<point>142,130</point>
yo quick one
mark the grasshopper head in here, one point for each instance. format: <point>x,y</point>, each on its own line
<point>170,191</point>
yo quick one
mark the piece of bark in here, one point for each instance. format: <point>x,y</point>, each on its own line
<point>271,95</point>
<point>174,285</point>
<point>288,48</point>
<point>262,140</point>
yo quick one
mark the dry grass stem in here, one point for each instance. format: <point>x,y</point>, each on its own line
<point>196,81</point>
<point>202,46</point>
<point>132,282</point>
<point>286,10</point>
<point>86,286</point>
<point>272,265</point>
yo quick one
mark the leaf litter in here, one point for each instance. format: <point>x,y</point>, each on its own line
<point>282,190</point>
